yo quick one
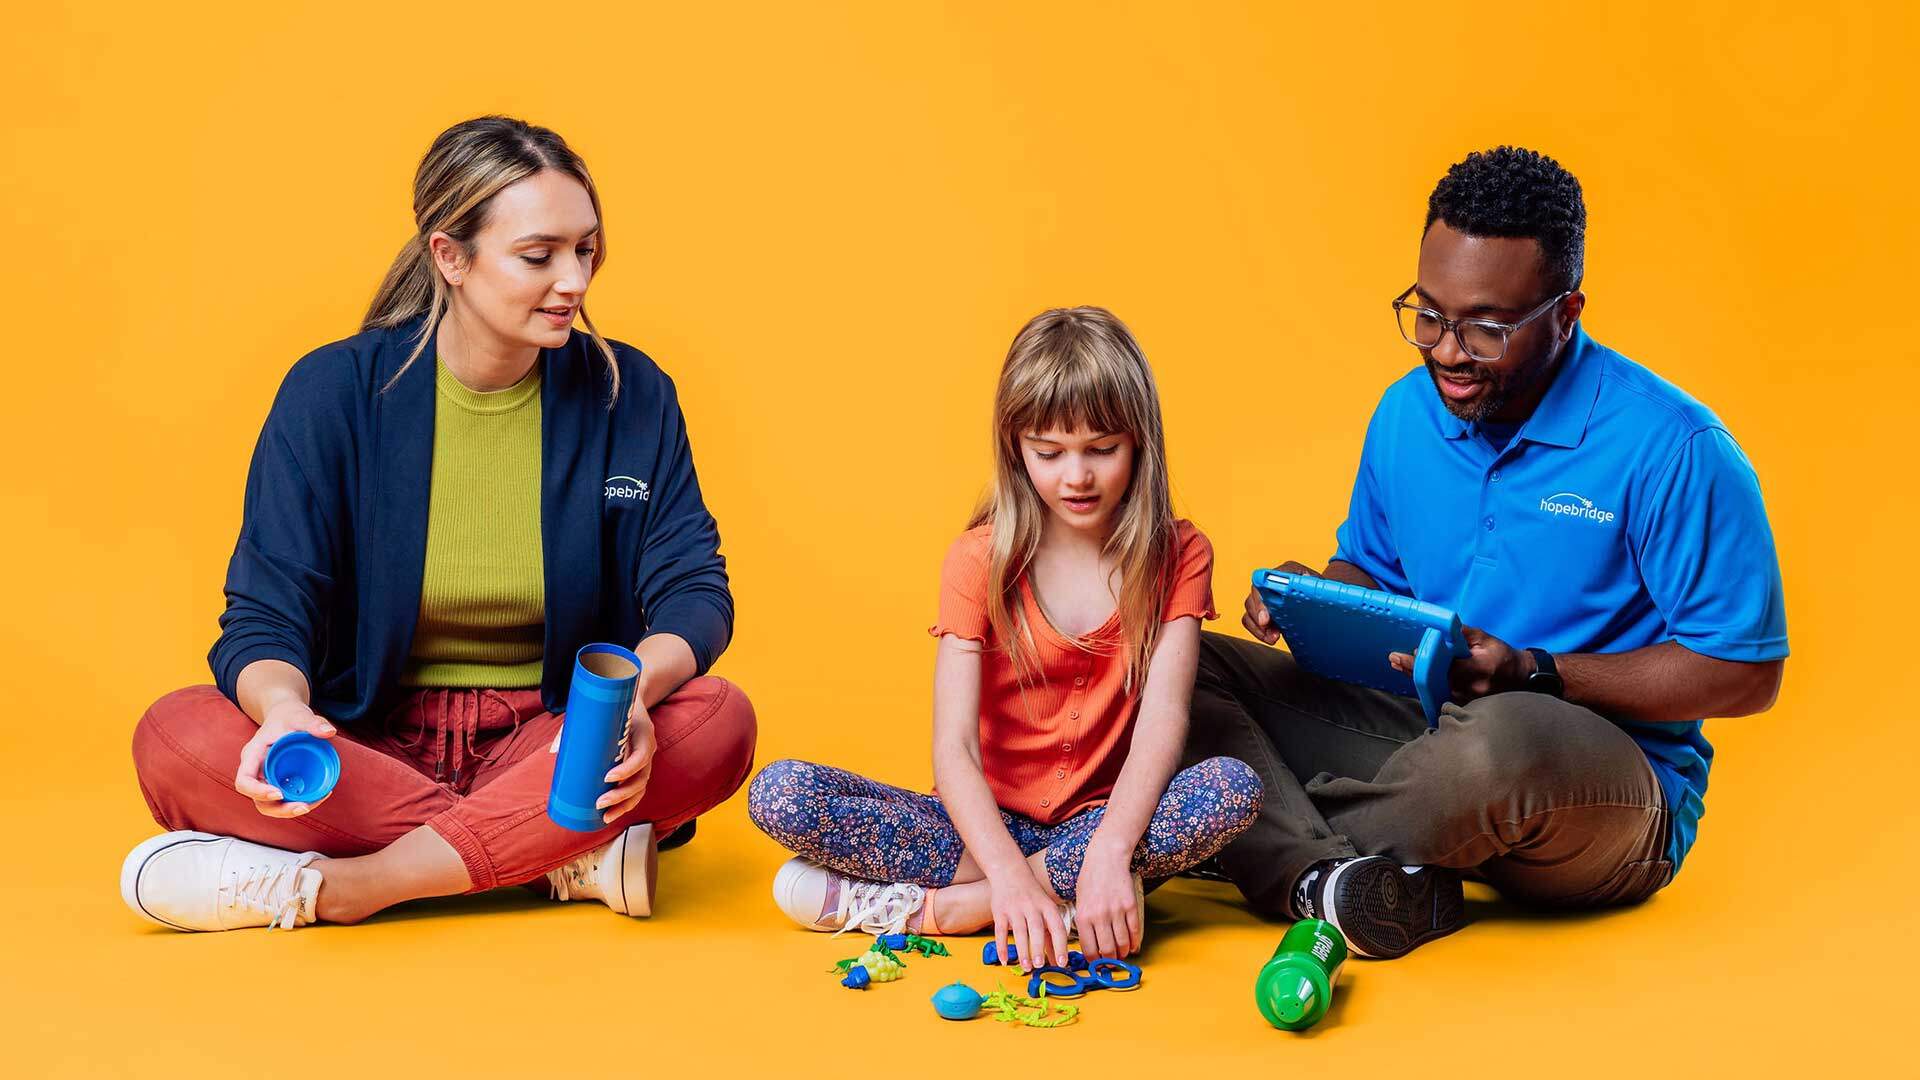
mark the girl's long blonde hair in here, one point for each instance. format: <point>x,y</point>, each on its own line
<point>453,189</point>
<point>1079,368</point>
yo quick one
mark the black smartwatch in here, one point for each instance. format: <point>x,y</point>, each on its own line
<point>1547,679</point>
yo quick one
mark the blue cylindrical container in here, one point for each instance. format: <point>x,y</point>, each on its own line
<point>304,767</point>
<point>593,734</point>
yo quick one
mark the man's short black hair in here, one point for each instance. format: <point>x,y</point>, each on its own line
<point>1510,191</point>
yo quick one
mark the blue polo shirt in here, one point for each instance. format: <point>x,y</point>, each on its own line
<point>1621,515</point>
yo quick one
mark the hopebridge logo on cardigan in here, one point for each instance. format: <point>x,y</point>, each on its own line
<point>1576,507</point>
<point>626,489</point>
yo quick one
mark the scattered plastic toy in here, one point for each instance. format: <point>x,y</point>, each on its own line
<point>879,946</point>
<point>1100,975</point>
<point>857,978</point>
<point>957,1002</point>
<point>1012,1008</point>
<point>881,964</point>
<point>916,943</point>
<point>1076,960</point>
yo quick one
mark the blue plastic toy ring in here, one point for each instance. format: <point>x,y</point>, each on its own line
<point>1099,976</point>
<point>1127,979</point>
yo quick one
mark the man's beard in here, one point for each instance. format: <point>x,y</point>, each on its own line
<point>1499,389</point>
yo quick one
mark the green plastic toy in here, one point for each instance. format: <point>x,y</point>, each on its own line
<point>1011,1008</point>
<point>1295,988</point>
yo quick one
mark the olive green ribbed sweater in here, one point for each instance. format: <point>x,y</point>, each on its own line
<point>483,595</point>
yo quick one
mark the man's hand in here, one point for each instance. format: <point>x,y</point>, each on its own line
<point>1492,667</point>
<point>1256,619</point>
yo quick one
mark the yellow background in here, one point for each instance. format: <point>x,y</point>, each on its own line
<point>827,222</point>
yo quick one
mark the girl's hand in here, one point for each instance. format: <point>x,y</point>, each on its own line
<point>1026,914</point>
<point>630,774</point>
<point>1106,907</point>
<point>290,715</point>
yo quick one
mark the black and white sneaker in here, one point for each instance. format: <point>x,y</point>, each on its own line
<point>1383,909</point>
<point>1206,870</point>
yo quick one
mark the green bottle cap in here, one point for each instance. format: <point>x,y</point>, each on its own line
<point>1293,1007</point>
<point>1295,988</point>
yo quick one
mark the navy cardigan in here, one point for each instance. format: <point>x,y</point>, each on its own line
<point>333,538</point>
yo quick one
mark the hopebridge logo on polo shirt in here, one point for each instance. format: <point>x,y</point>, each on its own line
<point>626,489</point>
<point>1574,507</point>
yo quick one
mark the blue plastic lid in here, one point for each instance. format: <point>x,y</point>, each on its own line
<point>304,767</point>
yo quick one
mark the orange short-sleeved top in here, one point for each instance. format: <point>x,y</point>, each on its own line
<point>1054,747</point>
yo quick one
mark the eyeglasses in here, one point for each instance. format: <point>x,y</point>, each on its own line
<point>1482,339</point>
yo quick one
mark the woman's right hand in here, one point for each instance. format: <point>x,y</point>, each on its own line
<point>282,718</point>
<point>1024,913</point>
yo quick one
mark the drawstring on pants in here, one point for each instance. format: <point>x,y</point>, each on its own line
<point>451,718</point>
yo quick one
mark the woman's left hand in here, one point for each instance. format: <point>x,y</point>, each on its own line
<point>1106,907</point>
<point>630,774</point>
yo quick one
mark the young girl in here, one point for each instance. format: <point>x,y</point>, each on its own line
<point>1068,634</point>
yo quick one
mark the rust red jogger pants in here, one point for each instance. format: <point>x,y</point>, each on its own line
<point>470,764</point>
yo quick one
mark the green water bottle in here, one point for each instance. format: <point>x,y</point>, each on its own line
<point>1296,986</point>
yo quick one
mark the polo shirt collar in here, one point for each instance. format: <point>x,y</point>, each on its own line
<point>1561,417</point>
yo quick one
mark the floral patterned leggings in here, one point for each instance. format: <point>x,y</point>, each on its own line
<point>879,832</point>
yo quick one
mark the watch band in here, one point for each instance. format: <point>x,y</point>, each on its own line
<point>1547,679</point>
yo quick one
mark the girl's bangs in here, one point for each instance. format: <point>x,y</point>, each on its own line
<point>1075,395</point>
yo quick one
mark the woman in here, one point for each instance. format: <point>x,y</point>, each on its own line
<point>440,511</point>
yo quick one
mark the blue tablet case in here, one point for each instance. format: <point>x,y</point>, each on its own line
<point>1345,632</point>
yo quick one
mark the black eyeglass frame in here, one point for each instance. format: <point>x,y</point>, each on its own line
<point>1452,326</point>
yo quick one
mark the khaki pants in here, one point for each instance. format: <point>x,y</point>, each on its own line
<point>1549,802</point>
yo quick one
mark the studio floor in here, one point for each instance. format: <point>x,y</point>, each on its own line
<point>1695,982</point>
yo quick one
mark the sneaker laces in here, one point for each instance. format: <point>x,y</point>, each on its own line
<point>877,907</point>
<point>273,889</point>
<point>573,876</point>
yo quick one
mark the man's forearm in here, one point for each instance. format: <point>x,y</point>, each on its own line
<point>1350,574</point>
<point>1668,683</point>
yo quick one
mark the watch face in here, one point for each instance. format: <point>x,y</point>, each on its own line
<point>1544,682</point>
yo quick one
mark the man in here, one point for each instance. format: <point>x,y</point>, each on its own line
<point>1605,538</point>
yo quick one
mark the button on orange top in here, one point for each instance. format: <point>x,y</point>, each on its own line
<point>1021,726</point>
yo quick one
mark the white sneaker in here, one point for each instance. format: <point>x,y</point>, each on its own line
<point>620,874</point>
<point>199,881</point>
<point>801,885</point>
